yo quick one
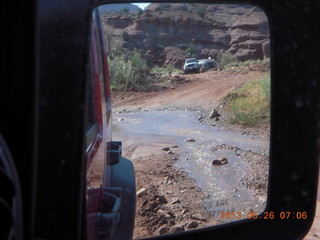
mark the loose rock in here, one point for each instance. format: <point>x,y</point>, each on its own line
<point>162,199</point>
<point>215,114</point>
<point>166,149</point>
<point>184,211</point>
<point>142,192</point>
<point>198,216</point>
<point>220,161</point>
<point>177,229</point>
<point>163,230</point>
<point>176,200</point>
<point>163,214</point>
<point>192,224</point>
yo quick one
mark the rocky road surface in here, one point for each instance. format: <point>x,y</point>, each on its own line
<point>167,136</point>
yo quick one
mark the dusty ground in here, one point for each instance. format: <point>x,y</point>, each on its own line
<point>165,205</point>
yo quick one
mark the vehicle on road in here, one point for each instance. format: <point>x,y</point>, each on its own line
<point>191,65</point>
<point>207,64</point>
<point>110,201</point>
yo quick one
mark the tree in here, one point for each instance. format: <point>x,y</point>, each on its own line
<point>191,50</point>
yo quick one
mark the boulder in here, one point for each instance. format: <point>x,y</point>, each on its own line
<point>214,114</point>
<point>220,161</point>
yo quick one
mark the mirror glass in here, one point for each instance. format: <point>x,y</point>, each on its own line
<point>190,90</point>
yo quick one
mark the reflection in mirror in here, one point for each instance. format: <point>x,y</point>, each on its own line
<point>190,88</point>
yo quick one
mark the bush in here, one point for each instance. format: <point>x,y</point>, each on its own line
<point>125,36</point>
<point>191,50</point>
<point>250,104</point>
<point>225,59</point>
<point>165,70</point>
<point>126,71</point>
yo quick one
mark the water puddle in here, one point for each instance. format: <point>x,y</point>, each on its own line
<point>198,145</point>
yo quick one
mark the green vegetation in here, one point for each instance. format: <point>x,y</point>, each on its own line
<point>165,70</point>
<point>250,104</point>
<point>124,11</point>
<point>126,72</point>
<point>224,59</point>
<point>247,63</point>
<point>191,50</point>
<point>125,36</point>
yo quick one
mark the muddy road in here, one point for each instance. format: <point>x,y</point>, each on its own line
<point>172,142</point>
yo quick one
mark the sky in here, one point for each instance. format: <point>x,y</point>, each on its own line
<point>141,5</point>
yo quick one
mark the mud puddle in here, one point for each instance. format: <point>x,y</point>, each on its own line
<point>146,132</point>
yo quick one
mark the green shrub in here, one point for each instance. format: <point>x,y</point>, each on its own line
<point>126,71</point>
<point>250,104</point>
<point>191,50</point>
<point>224,59</point>
<point>125,36</point>
<point>170,69</point>
<point>138,63</point>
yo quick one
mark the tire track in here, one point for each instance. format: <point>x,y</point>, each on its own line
<point>128,151</point>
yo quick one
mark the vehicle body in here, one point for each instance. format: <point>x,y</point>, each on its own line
<point>191,66</point>
<point>207,64</point>
<point>46,89</point>
<point>111,198</point>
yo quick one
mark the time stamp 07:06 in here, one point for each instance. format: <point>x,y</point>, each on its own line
<point>265,215</point>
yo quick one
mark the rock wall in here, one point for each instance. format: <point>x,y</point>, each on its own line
<point>163,32</point>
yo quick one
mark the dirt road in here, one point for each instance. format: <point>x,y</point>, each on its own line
<point>166,135</point>
<point>205,90</point>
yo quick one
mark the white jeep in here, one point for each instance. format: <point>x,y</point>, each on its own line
<point>191,65</point>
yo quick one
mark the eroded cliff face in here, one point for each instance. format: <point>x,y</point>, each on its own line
<point>165,33</point>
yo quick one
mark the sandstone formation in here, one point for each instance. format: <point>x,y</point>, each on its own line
<point>165,34</point>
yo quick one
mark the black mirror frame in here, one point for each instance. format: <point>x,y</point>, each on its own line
<point>56,62</point>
